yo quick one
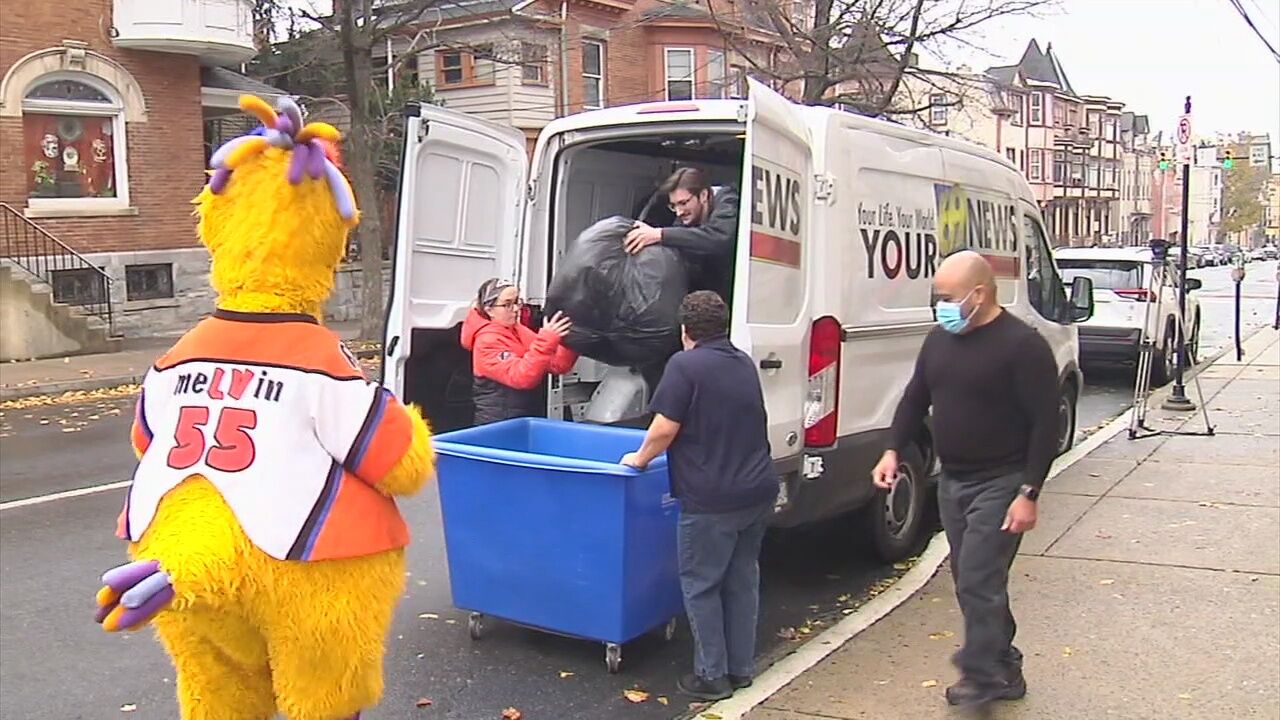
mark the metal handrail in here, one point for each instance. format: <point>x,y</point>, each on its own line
<point>35,250</point>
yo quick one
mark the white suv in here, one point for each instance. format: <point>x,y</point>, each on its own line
<point>1121,293</point>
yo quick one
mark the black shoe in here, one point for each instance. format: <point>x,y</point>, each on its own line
<point>970,694</point>
<point>739,682</point>
<point>702,689</point>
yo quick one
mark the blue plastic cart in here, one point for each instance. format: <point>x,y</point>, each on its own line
<point>544,529</point>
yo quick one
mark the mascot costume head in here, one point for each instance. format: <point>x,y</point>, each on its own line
<point>267,549</point>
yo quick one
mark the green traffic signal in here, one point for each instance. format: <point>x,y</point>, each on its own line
<point>1228,163</point>
<point>1164,164</point>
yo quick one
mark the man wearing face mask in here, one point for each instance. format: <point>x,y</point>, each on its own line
<point>707,226</point>
<point>992,383</point>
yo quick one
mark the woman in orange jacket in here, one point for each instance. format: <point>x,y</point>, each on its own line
<point>508,360</point>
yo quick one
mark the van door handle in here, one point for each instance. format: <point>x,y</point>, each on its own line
<point>771,364</point>
<point>391,347</point>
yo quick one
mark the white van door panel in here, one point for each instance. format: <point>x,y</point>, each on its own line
<point>461,210</point>
<point>771,316</point>
<point>890,253</point>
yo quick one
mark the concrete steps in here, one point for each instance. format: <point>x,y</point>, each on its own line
<point>35,326</point>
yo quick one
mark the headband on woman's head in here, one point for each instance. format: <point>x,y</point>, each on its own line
<point>490,290</point>
<point>312,146</point>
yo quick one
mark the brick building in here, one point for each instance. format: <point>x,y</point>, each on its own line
<point>103,110</point>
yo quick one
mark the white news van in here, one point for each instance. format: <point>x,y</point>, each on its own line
<point>842,223</point>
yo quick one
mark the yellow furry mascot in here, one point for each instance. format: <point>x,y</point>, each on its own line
<point>267,549</point>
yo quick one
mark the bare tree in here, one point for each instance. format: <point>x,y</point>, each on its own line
<point>356,27</point>
<point>855,53</point>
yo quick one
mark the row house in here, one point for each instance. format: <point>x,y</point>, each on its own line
<point>523,63</point>
<point>103,110</point>
<point>1074,149</point>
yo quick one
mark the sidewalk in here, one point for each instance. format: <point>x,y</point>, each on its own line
<point>92,372</point>
<point>1149,590</point>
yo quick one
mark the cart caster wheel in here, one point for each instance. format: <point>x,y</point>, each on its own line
<point>612,657</point>
<point>475,625</point>
<point>669,632</point>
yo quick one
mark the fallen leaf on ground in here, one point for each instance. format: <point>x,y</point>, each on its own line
<point>929,684</point>
<point>1066,652</point>
<point>709,716</point>
<point>1108,581</point>
<point>565,674</point>
<point>882,682</point>
<point>512,714</point>
<point>849,611</point>
<point>663,701</point>
<point>943,635</point>
<point>635,696</point>
<point>429,616</point>
<point>424,702</point>
<point>1095,474</point>
<point>1184,696</point>
<point>129,708</point>
<point>787,633</point>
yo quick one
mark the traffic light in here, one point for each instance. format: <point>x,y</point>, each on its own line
<point>1227,162</point>
<point>1164,159</point>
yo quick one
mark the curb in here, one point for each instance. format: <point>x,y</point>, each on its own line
<point>65,386</point>
<point>793,665</point>
<point>59,387</point>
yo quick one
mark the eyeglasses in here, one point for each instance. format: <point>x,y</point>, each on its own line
<point>510,303</point>
<point>681,204</point>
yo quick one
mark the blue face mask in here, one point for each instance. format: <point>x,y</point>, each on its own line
<point>951,314</point>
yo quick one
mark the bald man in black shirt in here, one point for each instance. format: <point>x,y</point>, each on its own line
<point>992,382</point>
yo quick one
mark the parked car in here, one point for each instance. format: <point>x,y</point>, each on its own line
<point>1258,254</point>
<point>1219,253</point>
<point>1122,296</point>
<point>1201,256</point>
<point>1272,252</point>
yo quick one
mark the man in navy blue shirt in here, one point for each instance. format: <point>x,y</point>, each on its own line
<point>709,417</point>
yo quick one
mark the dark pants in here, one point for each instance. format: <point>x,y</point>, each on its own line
<point>720,579</point>
<point>981,554</point>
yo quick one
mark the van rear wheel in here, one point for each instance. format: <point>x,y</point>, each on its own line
<point>893,520</point>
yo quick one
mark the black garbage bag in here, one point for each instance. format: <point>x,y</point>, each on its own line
<point>624,307</point>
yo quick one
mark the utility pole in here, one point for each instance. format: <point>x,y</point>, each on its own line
<point>1178,399</point>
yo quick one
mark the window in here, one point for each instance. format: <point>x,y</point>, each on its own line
<point>1036,169</point>
<point>73,142</point>
<point>717,79</point>
<point>738,80</point>
<point>533,67</point>
<point>1012,155</point>
<point>1110,176</point>
<point>1044,287</point>
<point>148,282</point>
<point>1037,109</point>
<point>1060,167</point>
<point>454,67</point>
<point>1073,116</point>
<point>1092,177</point>
<point>81,286</point>
<point>1015,101</point>
<point>1105,274</point>
<point>937,109</point>
<point>1109,129</point>
<point>592,74</point>
<point>679,73</point>
<point>1059,114</point>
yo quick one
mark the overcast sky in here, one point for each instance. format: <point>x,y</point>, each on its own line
<point>1149,54</point>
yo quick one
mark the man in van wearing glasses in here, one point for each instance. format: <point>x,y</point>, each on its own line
<point>705,230</point>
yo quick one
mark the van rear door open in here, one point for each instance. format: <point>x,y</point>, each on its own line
<point>462,192</point>
<point>770,316</point>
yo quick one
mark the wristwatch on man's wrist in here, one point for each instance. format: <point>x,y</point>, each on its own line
<point>1029,492</point>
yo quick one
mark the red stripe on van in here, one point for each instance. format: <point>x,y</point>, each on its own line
<point>774,249</point>
<point>1004,265</point>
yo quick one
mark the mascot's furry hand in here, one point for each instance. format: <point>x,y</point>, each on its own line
<point>132,594</point>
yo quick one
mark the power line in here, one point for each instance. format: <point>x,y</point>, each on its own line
<point>1249,21</point>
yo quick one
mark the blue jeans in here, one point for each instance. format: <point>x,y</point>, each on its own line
<point>720,579</point>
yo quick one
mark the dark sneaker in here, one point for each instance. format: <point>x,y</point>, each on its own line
<point>702,689</point>
<point>739,682</point>
<point>969,694</point>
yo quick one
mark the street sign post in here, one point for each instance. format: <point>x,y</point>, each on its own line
<point>1185,153</point>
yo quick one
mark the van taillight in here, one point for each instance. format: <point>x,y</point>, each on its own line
<point>528,313</point>
<point>822,402</point>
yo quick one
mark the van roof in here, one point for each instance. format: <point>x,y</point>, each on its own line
<point>729,110</point>
<point>1135,254</point>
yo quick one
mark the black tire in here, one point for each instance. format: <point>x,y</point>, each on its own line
<point>1193,347</point>
<point>894,520</point>
<point>1164,359</point>
<point>1067,417</point>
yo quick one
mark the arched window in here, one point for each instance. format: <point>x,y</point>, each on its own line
<point>73,138</point>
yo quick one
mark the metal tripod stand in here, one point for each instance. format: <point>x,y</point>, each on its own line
<point>1159,280</point>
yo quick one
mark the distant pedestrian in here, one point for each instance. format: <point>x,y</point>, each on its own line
<point>709,417</point>
<point>992,383</point>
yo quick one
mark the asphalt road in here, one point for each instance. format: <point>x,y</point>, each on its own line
<point>56,664</point>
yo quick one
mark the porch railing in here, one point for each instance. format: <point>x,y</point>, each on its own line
<point>54,263</point>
